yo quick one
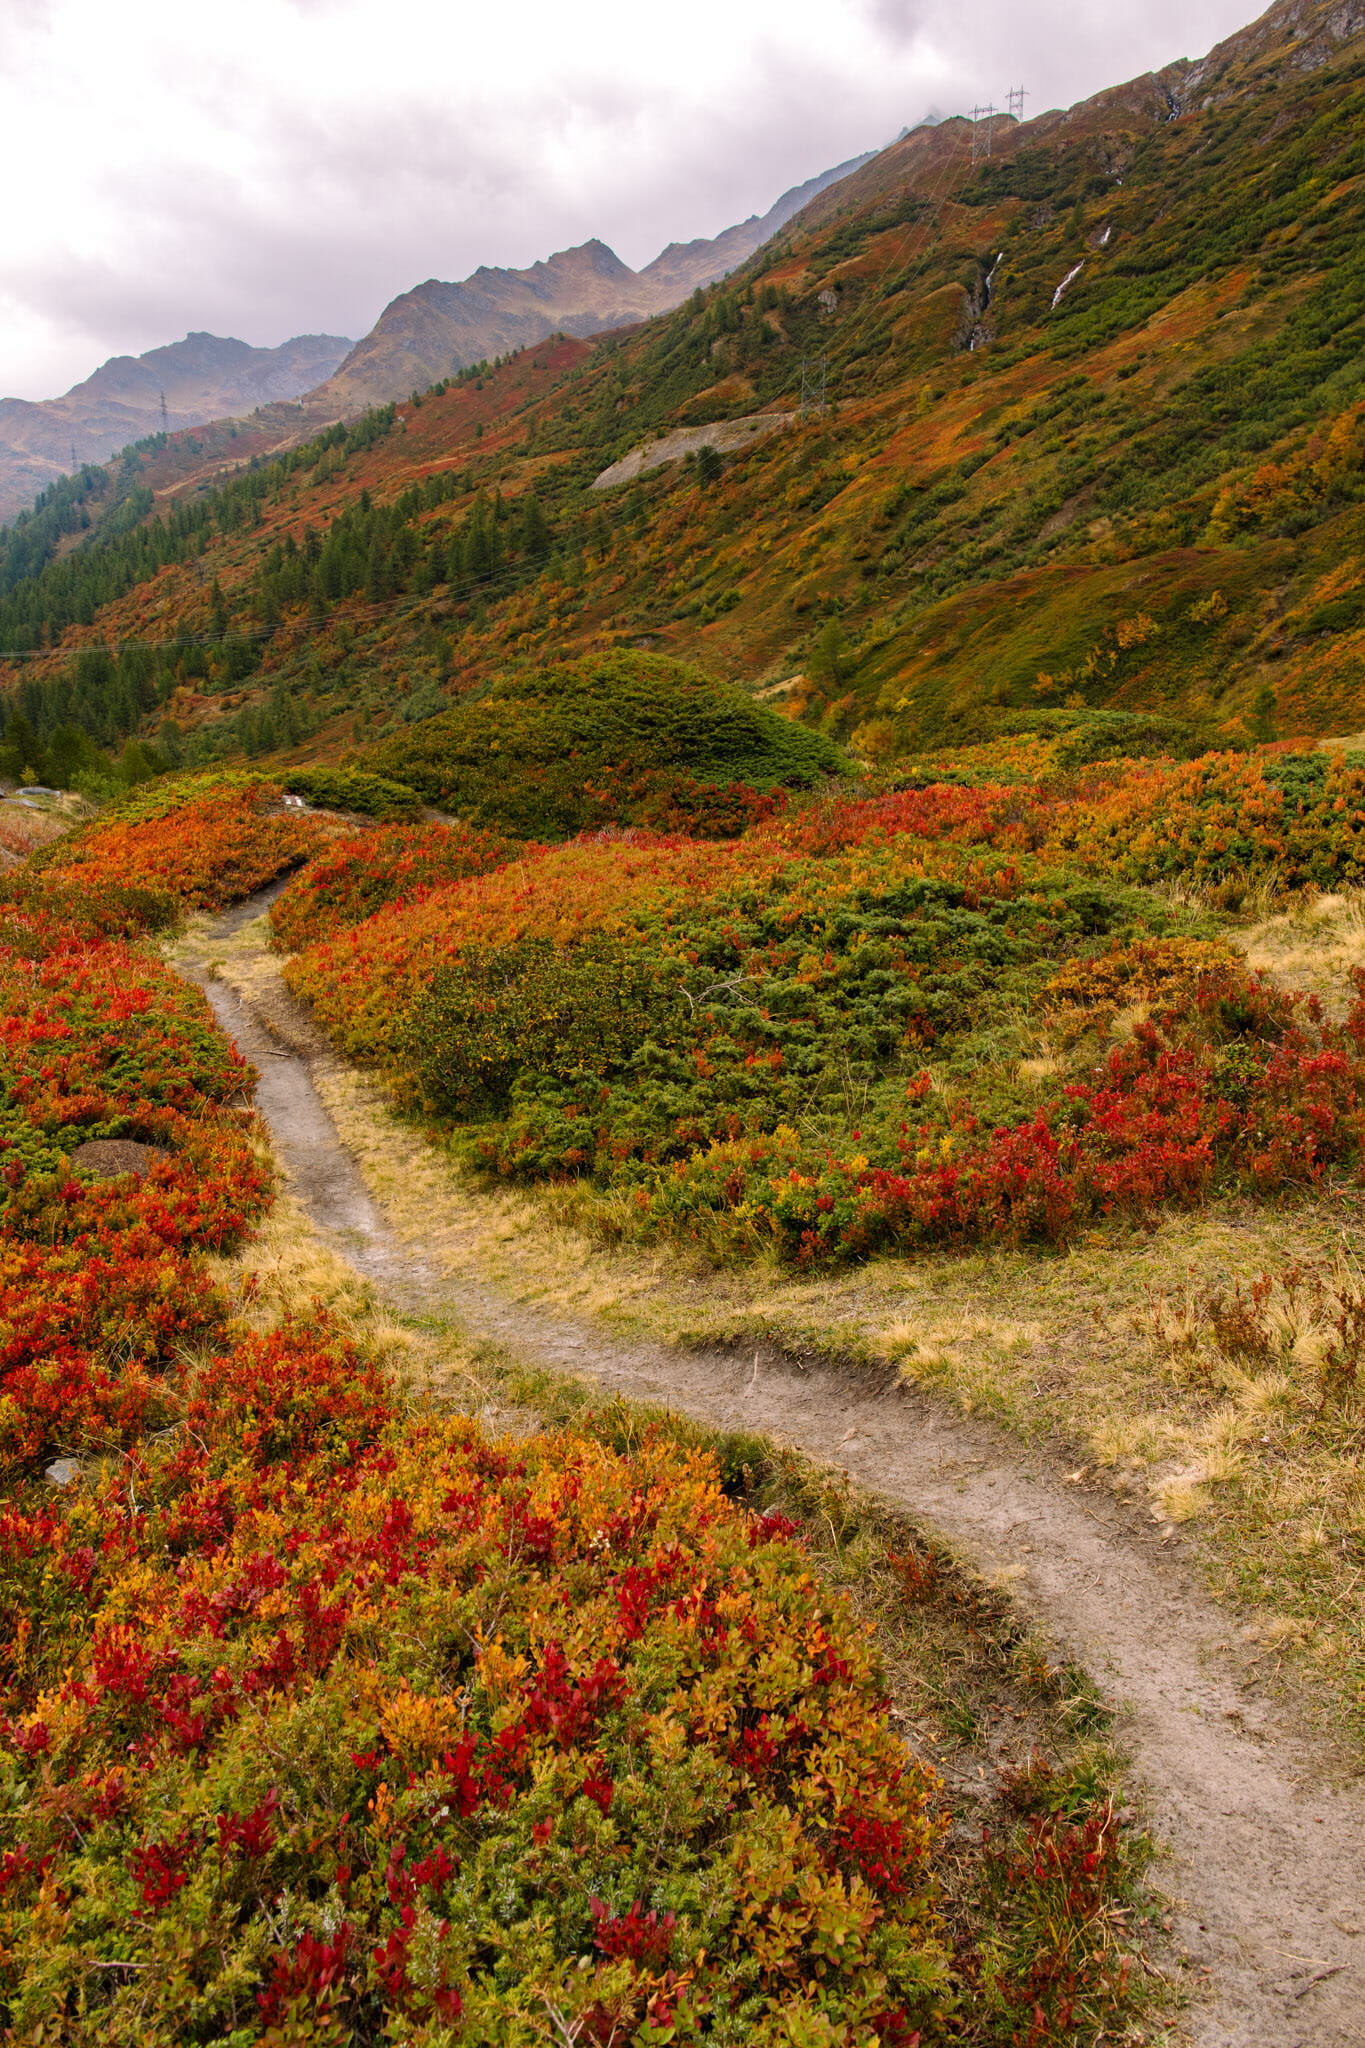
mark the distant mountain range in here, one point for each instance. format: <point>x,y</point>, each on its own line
<point>203,377</point>
<point>422,336</point>
<point>438,328</point>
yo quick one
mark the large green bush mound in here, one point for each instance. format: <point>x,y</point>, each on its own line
<point>623,737</point>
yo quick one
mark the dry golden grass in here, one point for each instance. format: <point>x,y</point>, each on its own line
<point>1277,1458</point>
<point>287,1272</point>
<point>26,826</point>
<point>1312,944</point>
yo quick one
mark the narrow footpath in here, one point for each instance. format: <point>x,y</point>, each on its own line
<point>1267,1855</point>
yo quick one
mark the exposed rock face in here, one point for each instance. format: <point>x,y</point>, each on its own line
<point>729,437</point>
<point>1303,32</point>
<point>438,328</point>
<point>204,377</point>
<point>683,266</point>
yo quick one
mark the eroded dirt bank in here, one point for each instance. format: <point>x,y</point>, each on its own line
<point>1269,1855</point>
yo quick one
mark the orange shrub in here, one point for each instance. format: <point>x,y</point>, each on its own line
<point>1156,971</point>
<point>358,876</point>
<point>208,851</point>
<point>991,814</point>
<point>1301,816</point>
<point>362,983</point>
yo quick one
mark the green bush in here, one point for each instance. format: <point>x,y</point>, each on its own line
<point>619,1059</point>
<point>1098,735</point>
<point>573,1015</point>
<point>1339,616</point>
<point>554,751</point>
<point>351,789</point>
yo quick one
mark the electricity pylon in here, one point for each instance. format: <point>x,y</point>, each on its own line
<point>814,370</point>
<point>982,119</point>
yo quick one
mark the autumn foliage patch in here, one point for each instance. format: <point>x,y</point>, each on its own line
<point>324,1718</point>
<point>100,1280</point>
<point>801,1043</point>
<point>989,814</point>
<point>363,982</point>
<point>205,851</point>
<point>321,1721</point>
<point>1299,817</point>
<point>358,876</point>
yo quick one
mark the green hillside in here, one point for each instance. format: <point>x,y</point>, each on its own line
<point>1095,437</point>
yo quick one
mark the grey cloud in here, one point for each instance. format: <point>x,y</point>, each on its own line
<point>899,22</point>
<point>22,22</point>
<point>346,210</point>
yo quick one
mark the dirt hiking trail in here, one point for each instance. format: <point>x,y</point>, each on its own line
<point>1268,1855</point>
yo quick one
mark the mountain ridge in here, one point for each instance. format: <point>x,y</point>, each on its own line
<point>426,333</point>
<point>201,378</point>
<point>440,327</point>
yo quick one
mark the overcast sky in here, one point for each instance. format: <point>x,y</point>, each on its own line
<point>274,167</point>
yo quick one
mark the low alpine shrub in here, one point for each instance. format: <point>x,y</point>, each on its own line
<point>622,738</point>
<point>205,851</point>
<point>353,1725</point>
<point>101,1281</point>
<point>351,789</point>
<point>357,876</point>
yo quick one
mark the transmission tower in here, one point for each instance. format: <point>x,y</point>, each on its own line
<point>165,423</point>
<point>814,370</point>
<point>982,119</point>
<point>1017,97</point>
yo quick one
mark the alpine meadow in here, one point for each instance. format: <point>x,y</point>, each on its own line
<point>682,1134</point>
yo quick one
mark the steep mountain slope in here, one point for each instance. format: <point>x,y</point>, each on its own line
<point>204,377</point>
<point>437,329</point>
<point>1095,436</point>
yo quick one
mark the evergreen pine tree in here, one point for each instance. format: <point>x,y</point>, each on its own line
<point>377,580</point>
<point>535,529</point>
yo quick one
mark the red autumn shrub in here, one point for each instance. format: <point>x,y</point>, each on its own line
<point>101,1285</point>
<point>430,1628</point>
<point>204,850</point>
<point>990,814</point>
<point>358,876</point>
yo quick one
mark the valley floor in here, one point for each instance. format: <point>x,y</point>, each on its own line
<point>951,1390</point>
